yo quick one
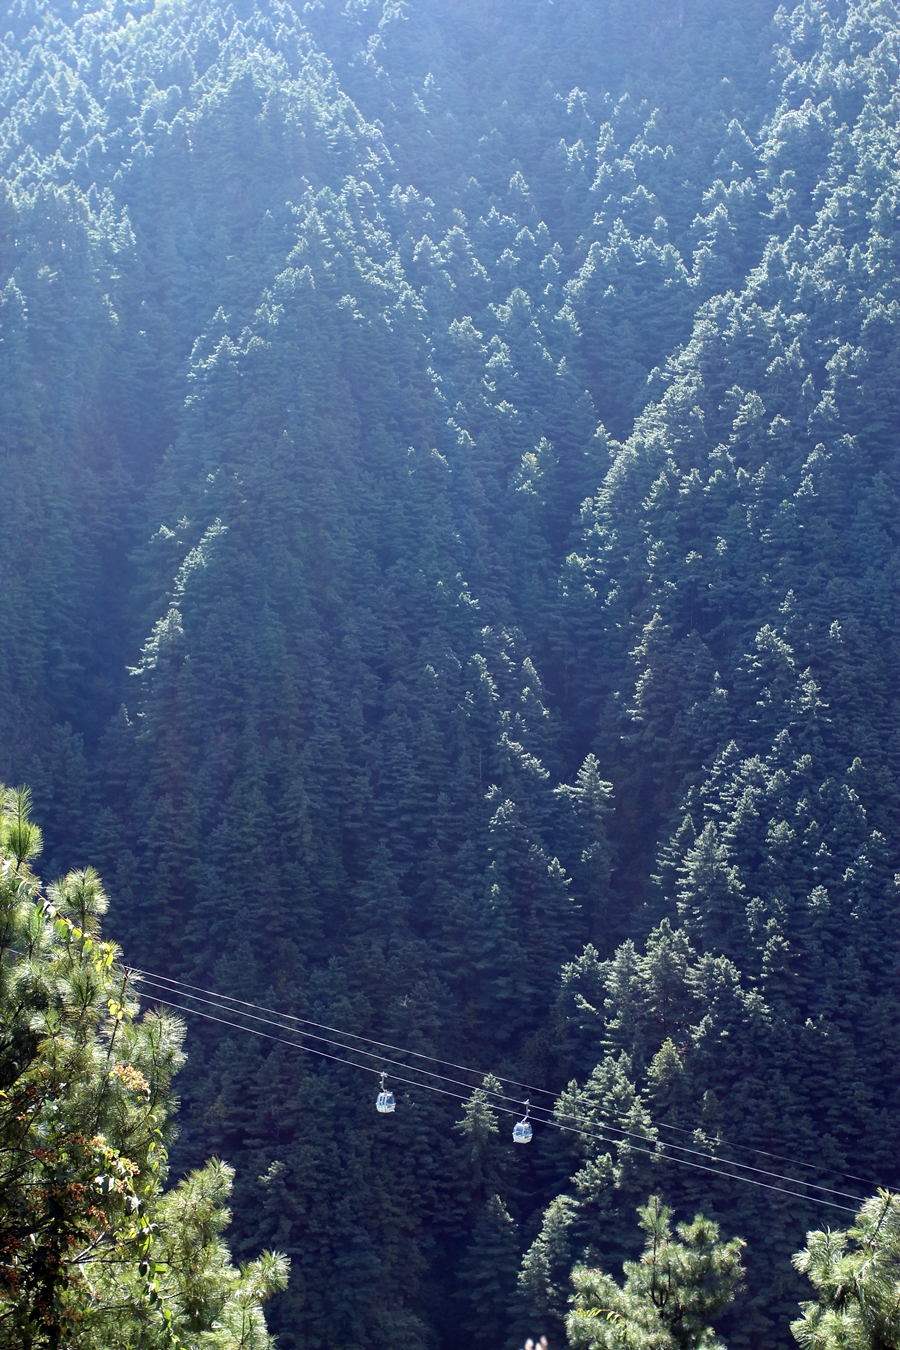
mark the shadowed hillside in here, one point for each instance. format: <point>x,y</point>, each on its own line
<point>449,554</point>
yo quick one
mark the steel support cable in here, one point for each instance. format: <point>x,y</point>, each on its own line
<point>224,1000</point>
<point>568,1129</point>
<point>323,1026</point>
<point>551,1117</point>
<point>530,1088</point>
<point>221,1002</point>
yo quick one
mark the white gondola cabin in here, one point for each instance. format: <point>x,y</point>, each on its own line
<point>384,1102</point>
<point>522,1130</point>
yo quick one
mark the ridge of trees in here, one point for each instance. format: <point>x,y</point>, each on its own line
<point>474,428</point>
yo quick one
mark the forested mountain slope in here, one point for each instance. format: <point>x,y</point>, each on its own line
<point>449,554</point>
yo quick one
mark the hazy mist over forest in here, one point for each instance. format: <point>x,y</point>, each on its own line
<point>449,590</point>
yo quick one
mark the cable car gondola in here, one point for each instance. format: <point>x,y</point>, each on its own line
<point>522,1130</point>
<point>384,1102</point>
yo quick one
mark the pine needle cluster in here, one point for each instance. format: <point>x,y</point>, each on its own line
<point>671,1296</point>
<point>94,1255</point>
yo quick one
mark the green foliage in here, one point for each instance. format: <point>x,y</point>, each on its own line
<point>461,719</point>
<point>20,838</point>
<point>856,1274</point>
<point>93,1254</point>
<point>670,1297</point>
<point>488,1273</point>
<point>485,1161</point>
<point>547,1264</point>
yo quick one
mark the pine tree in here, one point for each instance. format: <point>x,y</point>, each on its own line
<point>682,1283</point>
<point>856,1274</point>
<point>93,1254</point>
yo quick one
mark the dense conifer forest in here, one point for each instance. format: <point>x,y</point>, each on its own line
<point>448,589</point>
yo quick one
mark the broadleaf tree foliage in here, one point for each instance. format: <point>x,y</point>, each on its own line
<point>449,551</point>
